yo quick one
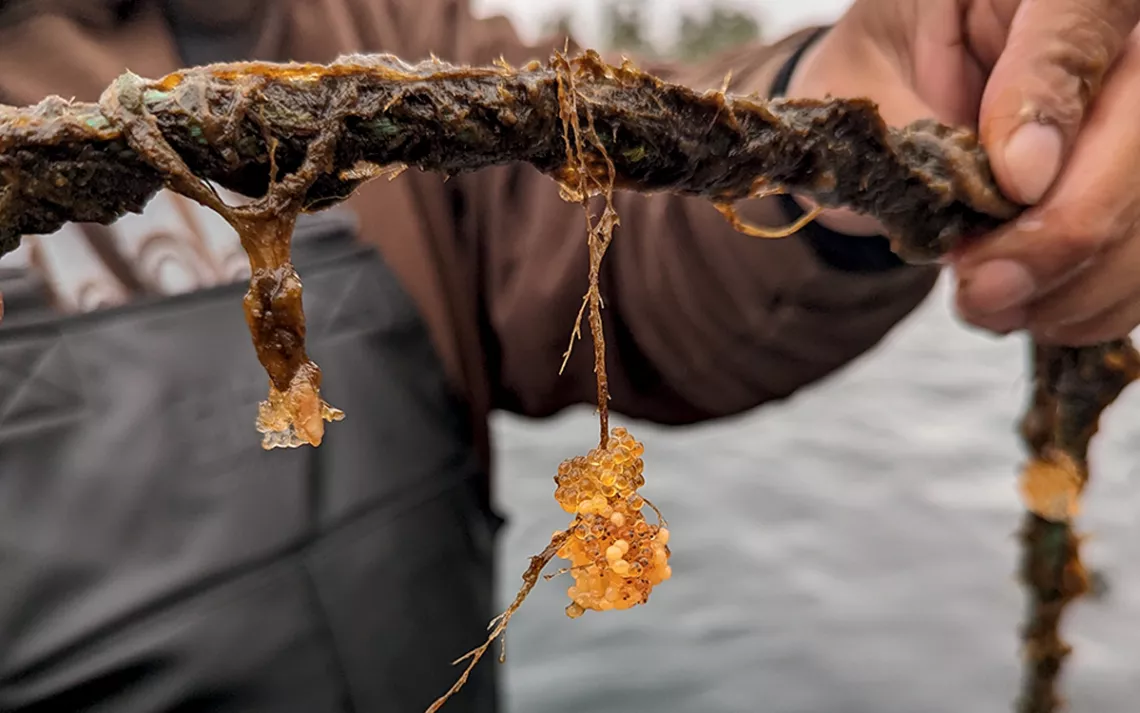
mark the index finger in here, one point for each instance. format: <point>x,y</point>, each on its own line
<point>1053,65</point>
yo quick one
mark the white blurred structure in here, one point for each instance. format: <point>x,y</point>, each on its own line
<point>777,17</point>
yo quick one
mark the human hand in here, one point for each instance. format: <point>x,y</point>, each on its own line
<point>1067,72</point>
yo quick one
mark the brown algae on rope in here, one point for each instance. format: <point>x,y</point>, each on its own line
<point>1072,388</point>
<point>294,413</point>
<point>233,124</point>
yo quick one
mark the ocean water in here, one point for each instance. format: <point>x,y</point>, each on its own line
<point>851,550</point>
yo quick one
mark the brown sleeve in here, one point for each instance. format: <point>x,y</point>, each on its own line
<point>701,321</point>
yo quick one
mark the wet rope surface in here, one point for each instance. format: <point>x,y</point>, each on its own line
<point>237,124</point>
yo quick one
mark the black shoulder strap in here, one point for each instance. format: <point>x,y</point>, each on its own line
<point>198,45</point>
<point>843,252</point>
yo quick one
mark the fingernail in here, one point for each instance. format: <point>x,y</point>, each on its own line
<point>1033,160</point>
<point>997,286</point>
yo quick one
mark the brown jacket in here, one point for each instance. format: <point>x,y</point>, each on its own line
<point>703,322</point>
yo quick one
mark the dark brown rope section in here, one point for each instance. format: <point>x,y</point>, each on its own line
<point>1072,389</point>
<point>62,161</point>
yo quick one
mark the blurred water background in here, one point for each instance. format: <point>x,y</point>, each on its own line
<point>851,550</point>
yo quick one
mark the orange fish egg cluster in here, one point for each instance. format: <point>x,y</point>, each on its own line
<point>616,557</point>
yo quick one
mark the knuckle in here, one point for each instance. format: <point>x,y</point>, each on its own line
<point>1122,15</point>
<point>1079,336</point>
<point>1074,245</point>
<point>1086,49</point>
<point>1046,317</point>
<point>1073,44</point>
<point>1085,241</point>
<point>1083,233</point>
<point>1075,61</point>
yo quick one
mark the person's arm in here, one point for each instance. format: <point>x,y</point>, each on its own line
<point>701,321</point>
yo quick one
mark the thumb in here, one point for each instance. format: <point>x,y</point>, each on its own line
<point>1052,67</point>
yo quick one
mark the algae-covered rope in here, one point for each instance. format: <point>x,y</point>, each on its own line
<point>1071,389</point>
<point>232,124</point>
